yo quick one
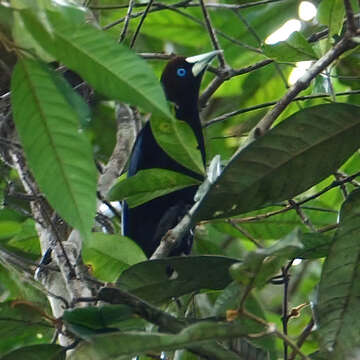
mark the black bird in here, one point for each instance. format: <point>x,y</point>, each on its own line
<point>147,224</point>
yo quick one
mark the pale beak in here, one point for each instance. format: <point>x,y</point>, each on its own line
<point>201,61</point>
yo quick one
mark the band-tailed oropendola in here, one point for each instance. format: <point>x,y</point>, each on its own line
<point>147,224</point>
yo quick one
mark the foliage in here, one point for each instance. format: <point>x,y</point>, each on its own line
<point>271,197</point>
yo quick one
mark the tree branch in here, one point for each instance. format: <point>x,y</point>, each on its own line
<point>137,31</point>
<point>265,123</point>
<point>270,103</point>
<point>226,74</point>
<point>212,34</point>
<point>125,138</point>
<point>127,21</point>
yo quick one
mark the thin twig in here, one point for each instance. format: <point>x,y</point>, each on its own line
<point>289,207</point>
<point>195,4</point>
<point>212,34</point>
<point>108,204</point>
<point>306,332</point>
<point>343,176</point>
<point>218,32</point>
<point>329,187</point>
<point>276,332</point>
<point>328,228</point>
<point>137,31</point>
<point>271,103</point>
<point>227,74</point>
<point>248,26</point>
<point>127,21</point>
<point>156,56</point>
<point>173,8</point>
<point>57,236</point>
<point>245,233</point>
<point>285,310</point>
<point>342,186</point>
<point>304,218</point>
<point>209,91</point>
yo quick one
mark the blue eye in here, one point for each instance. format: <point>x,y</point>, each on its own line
<point>181,72</point>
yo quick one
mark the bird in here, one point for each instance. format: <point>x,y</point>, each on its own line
<point>146,224</point>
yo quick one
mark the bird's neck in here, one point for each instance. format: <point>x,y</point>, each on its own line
<point>190,114</point>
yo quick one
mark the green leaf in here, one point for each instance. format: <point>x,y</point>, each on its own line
<point>58,152</point>
<point>109,67</point>
<point>150,280</point>
<point>25,39</point>
<point>315,245</point>
<point>21,326</point>
<point>286,161</point>
<point>178,140</point>
<point>9,229</point>
<point>27,240</point>
<point>149,184</point>
<point>331,13</point>
<point>98,317</point>
<point>126,344</point>
<point>295,48</point>
<point>118,73</point>
<point>110,255</point>
<point>36,352</point>
<point>338,299</point>
<point>260,265</point>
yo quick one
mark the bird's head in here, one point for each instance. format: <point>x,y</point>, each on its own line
<point>182,76</point>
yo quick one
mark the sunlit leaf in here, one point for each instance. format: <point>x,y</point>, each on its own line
<point>109,255</point>
<point>149,184</point>
<point>179,141</point>
<point>295,48</point>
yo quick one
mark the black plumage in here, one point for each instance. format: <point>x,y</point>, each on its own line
<point>147,224</point>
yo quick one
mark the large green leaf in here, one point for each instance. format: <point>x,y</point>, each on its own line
<point>178,140</point>
<point>116,72</point>
<point>109,67</point>
<point>295,155</point>
<point>27,240</point>
<point>122,345</point>
<point>98,317</point>
<point>58,152</point>
<point>109,255</point>
<point>149,184</point>
<point>151,280</point>
<point>339,291</point>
